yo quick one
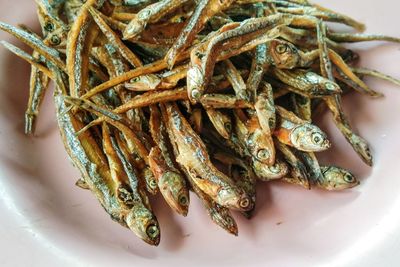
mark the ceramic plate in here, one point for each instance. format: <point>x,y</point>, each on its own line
<point>47,221</point>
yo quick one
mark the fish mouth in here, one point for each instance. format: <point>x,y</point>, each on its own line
<point>179,203</point>
<point>326,144</point>
<point>178,200</point>
<point>144,224</point>
<point>153,234</point>
<point>132,31</point>
<point>226,222</point>
<point>195,83</point>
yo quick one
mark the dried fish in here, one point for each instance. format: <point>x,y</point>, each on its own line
<point>207,95</point>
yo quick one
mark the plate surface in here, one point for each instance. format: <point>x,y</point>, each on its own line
<point>47,221</point>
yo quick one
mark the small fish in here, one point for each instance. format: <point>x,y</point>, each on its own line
<point>336,178</point>
<point>170,182</point>
<point>283,55</point>
<point>195,82</point>
<point>258,144</point>
<point>300,134</point>
<point>140,218</point>
<point>218,214</point>
<point>221,121</point>
<point>226,101</point>
<point>150,14</point>
<point>151,182</point>
<point>297,170</point>
<point>143,83</point>
<point>307,83</point>
<point>194,158</point>
<point>242,174</point>
<point>359,144</point>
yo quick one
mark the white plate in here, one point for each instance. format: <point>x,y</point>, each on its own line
<point>47,221</point>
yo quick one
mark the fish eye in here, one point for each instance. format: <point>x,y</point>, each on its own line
<point>263,154</point>
<point>229,220</point>
<point>183,200</point>
<point>196,94</point>
<point>274,168</point>
<point>259,68</point>
<point>152,231</point>
<point>228,126</point>
<point>330,86</point>
<point>368,153</point>
<point>48,26</point>
<point>271,123</point>
<point>136,79</point>
<point>281,48</point>
<point>199,54</point>
<point>348,178</point>
<point>153,184</point>
<point>317,138</point>
<point>55,40</point>
<point>244,203</point>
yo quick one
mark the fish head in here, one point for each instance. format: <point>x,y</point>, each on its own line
<point>136,25</point>
<point>173,188</point>
<point>245,178</point>
<point>57,38</point>
<point>222,217</point>
<point>144,224</point>
<point>362,148</point>
<point>234,198</point>
<point>151,182</point>
<point>336,178</point>
<point>308,137</point>
<point>284,54</point>
<point>276,171</point>
<point>47,19</point>
<point>195,83</point>
<point>261,147</point>
<point>144,82</point>
<point>322,86</point>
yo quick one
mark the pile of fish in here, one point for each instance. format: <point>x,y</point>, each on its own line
<point>208,96</point>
